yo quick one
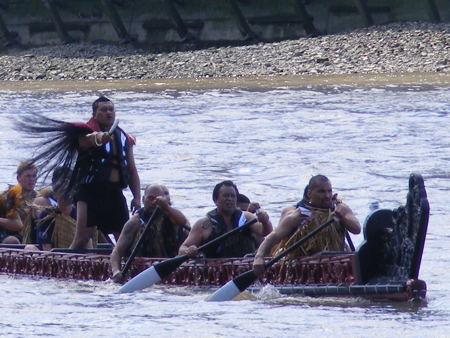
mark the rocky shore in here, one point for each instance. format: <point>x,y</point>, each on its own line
<point>394,48</point>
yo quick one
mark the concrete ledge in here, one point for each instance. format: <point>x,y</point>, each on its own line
<point>147,22</point>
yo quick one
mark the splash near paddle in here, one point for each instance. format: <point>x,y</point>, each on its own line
<point>235,286</point>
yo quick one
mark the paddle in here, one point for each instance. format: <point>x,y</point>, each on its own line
<point>243,281</point>
<point>130,259</point>
<point>349,241</point>
<point>159,271</point>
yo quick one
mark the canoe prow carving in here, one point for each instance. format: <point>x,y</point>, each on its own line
<point>395,239</point>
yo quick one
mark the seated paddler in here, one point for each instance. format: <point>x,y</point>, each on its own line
<point>161,225</point>
<point>10,222</point>
<point>244,203</point>
<point>225,217</point>
<point>56,223</point>
<point>26,183</point>
<point>317,207</point>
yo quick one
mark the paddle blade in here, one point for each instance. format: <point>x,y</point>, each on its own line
<point>145,279</point>
<point>233,287</point>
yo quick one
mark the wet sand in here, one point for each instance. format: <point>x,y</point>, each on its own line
<point>300,81</point>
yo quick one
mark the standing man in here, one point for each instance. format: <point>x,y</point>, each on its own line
<point>105,166</point>
<point>317,207</point>
<point>224,218</point>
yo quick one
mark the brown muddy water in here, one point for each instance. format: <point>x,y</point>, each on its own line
<point>367,135</point>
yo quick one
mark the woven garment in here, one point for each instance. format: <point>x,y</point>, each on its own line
<point>27,232</point>
<point>160,240</point>
<point>64,231</point>
<point>329,239</point>
<point>62,228</point>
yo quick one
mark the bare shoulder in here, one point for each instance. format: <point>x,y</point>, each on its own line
<point>199,231</point>
<point>289,221</point>
<point>132,224</point>
<point>203,223</point>
<point>293,215</point>
<point>289,208</point>
<point>129,231</point>
<point>288,211</point>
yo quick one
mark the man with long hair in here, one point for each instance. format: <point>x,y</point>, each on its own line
<point>104,167</point>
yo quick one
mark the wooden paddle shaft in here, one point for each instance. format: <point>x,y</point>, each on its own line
<point>139,242</point>
<point>297,244</point>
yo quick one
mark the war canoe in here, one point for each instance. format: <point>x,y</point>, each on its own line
<point>385,266</point>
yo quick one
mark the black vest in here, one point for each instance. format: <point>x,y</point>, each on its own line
<point>94,165</point>
<point>237,245</point>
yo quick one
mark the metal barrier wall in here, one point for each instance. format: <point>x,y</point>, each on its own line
<point>198,22</point>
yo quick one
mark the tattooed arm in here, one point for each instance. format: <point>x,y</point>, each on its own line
<point>124,243</point>
<point>199,232</point>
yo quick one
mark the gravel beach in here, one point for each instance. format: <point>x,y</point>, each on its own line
<point>394,48</point>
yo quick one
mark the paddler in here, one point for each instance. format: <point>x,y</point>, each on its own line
<point>317,207</point>
<point>56,223</point>
<point>225,217</point>
<point>10,223</point>
<point>26,182</point>
<point>161,239</point>
<point>244,203</point>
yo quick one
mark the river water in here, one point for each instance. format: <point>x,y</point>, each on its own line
<point>270,141</point>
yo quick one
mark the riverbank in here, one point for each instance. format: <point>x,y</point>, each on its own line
<point>390,49</point>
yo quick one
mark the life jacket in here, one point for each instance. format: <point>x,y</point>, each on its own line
<point>237,245</point>
<point>95,164</point>
<point>329,239</point>
<point>161,239</point>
